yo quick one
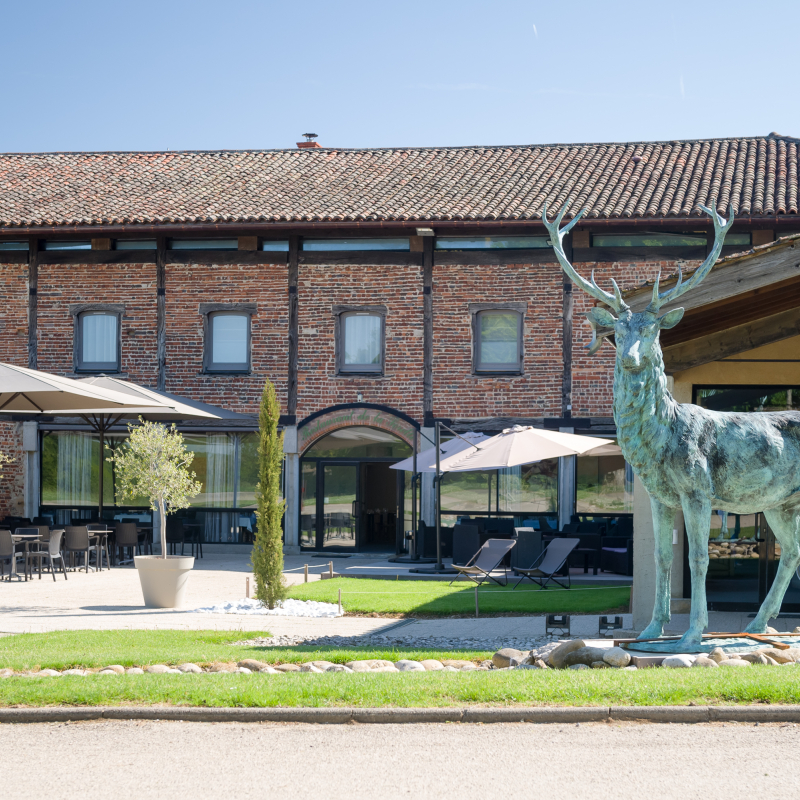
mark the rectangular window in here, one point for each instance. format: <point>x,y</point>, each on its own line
<point>659,239</point>
<point>275,246</point>
<point>229,342</point>
<point>13,245</point>
<point>204,244</point>
<point>361,342</point>
<point>136,244</point>
<point>738,240</point>
<point>49,245</point>
<point>320,245</point>
<point>748,398</point>
<point>498,339</point>
<point>492,242</point>
<point>604,484</point>
<point>98,346</point>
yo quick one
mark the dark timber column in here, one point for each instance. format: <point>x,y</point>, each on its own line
<point>291,539</point>
<point>33,303</point>
<point>161,312</point>
<point>566,467</point>
<point>428,491</point>
<point>291,399</point>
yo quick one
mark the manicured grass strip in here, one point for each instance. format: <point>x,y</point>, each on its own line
<point>86,649</point>
<point>437,597</point>
<point>776,685</point>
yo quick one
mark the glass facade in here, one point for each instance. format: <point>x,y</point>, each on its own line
<point>492,242</point>
<point>748,398</point>
<point>604,483</point>
<point>225,464</point>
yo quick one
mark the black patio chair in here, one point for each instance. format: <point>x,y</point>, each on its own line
<point>78,540</point>
<point>549,563</point>
<point>51,550</point>
<point>485,561</point>
<point>126,537</point>
<point>10,553</point>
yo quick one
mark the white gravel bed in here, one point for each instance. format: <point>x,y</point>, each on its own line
<point>286,608</point>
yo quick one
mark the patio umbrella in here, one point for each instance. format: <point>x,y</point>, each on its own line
<point>448,448</point>
<point>28,391</point>
<point>520,445</point>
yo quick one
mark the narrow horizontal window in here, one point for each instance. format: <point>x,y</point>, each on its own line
<point>320,245</point>
<point>498,343</point>
<point>204,244</point>
<point>229,342</point>
<point>136,244</point>
<point>13,245</point>
<point>648,240</point>
<point>49,245</point>
<point>275,246</point>
<point>98,349</point>
<point>492,242</point>
<point>738,239</point>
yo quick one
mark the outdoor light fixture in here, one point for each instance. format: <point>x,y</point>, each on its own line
<point>425,232</point>
<point>360,397</point>
<point>310,136</point>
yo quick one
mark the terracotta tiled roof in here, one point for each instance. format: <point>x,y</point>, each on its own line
<point>754,176</point>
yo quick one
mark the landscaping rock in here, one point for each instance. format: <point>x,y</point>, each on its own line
<point>431,664</point>
<point>448,668</point>
<point>120,670</point>
<point>781,656</point>
<point>338,668</point>
<point>796,630</point>
<point>48,673</point>
<point>6,673</point>
<point>792,652</point>
<point>771,630</point>
<point>157,669</point>
<point>677,661</point>
<point>578,666</point>
<point>585,655</point>
<point>771,661</point>
<point>251,664</point>
<point>488,663</point>
<point>717,654</point>
<point>754,658</point>
<point>455,662</point>
<point>390,668</point>
<point>310,668</point>
<point>134,671</point>
<point>221,666</point>
<point>107,671</point>
<point>287,667</point>
<point>557,657</point>
<point>525,666</point>
<point>173,671</point>
<point>358,666</point>
<point>735,662</point>
<point>268,670</point>
<point>705,661</point>
<point>599,665</point>
<point>193,668</point>
<point>629,668</point>
<point>323,665</point>
<point>80,672</point>
<point>502,658</point>
<point>244,671</point>
<point>540,663</point>
<point>617,657</point>
<point>468,667</point>
<point>405,665</point>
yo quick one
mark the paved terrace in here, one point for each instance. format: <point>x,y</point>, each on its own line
<point>112,599</point>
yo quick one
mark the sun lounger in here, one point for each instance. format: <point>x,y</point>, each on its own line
<point>485,561</point>
<point>552,559</point>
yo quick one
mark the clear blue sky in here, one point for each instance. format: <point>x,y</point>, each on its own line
<point>169,74</point>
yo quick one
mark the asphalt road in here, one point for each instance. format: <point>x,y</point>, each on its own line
<point>139,760</point>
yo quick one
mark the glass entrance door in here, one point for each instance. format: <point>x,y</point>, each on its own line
<point>339,498</point>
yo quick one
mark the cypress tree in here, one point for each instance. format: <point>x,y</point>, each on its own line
<point>267,556</point>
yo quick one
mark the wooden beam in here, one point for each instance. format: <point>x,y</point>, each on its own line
<point>161,311</point>
<point>33,303</point>
<point>567,307</point>
<point>427,331</point>
<point>730,342</point>
<point>738,275</point>
<point>294,324</point>
<point>101,244</point>
<point>97,257</point>
<point>248,243</point>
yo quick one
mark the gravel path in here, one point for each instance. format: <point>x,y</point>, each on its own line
<point>232,760</point>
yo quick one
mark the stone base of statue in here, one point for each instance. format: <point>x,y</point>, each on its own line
<point>729,642</point>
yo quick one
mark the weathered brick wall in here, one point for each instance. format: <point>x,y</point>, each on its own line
<point>399,288</point>
<point>14,314</point>
<point>133,285</point>
<point>593,376</point>
<point>459,393</point>
<point>187,286</point>
<point>11,484</point>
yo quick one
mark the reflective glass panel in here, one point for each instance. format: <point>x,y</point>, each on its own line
<point>308,504</point>
<point>49,245</point>
<point>311,245</point>
<point>99,339</point>
<point>530,488</point>
<point>499,339</point>
<point>248,470</point>
<point>229,338</point>
<point>204,244</point>
<point>492,242</point>
<point>648,240</point>
<point>748,398</point>
<point>340,486</point>
<point>362,340</point>
<point>604,484</point>
<point>13,245</point>
<point>136,244</point>
<point>360,442</point>
<point>275,246</point>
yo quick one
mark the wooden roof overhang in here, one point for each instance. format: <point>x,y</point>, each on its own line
<point>746,301</point>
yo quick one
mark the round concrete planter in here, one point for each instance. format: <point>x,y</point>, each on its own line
<point>164,580</point>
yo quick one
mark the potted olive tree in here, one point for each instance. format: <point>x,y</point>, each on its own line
<point>154,464</point>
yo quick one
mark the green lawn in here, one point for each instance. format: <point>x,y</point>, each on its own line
<point>360,596</point>
<point>777,685</point>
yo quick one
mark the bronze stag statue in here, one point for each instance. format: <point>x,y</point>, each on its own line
<point>688,457</point>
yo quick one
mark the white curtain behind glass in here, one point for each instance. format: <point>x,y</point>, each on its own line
<point>74,471</point>
<point>509,488</point>
<point>362,340</point>
<point>220,470</point>
<point>99,338</point>
<point>229,336</point>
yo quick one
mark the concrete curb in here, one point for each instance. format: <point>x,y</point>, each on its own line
<point>537,714</point>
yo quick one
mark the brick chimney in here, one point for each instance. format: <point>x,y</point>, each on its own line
<point>309,142</point>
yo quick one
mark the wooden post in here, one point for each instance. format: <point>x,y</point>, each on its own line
<point>305,573</point>
<point>427,331</point>
<point>33,304</point>
<point>330,569</point>
<point>161,312</point>
<point>247,588</point>
<point>476,602</point>
<point>340,603</point>
<point>568,303</point>
<point>294,251</point>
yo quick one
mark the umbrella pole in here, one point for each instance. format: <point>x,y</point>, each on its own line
<point>438,498</point>
<point>101,428</point>
<point>412,542</point>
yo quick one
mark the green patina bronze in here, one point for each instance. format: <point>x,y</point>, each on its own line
<point>688,457</point>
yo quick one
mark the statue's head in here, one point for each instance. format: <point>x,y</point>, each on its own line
<point>635,333</point>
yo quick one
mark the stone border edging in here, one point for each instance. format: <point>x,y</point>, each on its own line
<point>536,714</point>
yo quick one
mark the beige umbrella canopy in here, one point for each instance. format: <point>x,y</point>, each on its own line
<point>27,391</point>
<point>519,445</point>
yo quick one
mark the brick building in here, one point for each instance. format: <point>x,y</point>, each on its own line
<point>379,290</point>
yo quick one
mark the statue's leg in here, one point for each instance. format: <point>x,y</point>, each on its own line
<point>697,517</point>
<point>785,524</point>
<point>663,522</point>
